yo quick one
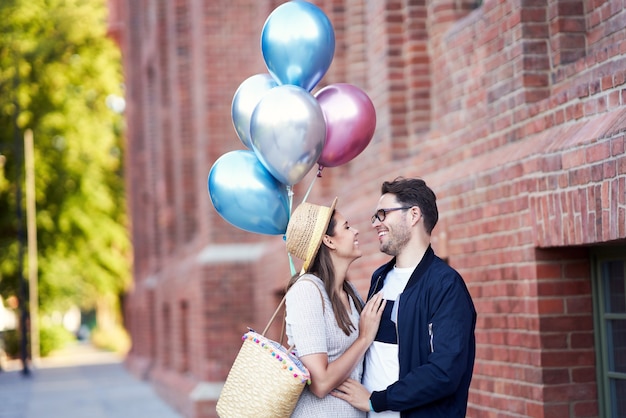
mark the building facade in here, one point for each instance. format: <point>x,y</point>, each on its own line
<point>512,111</point>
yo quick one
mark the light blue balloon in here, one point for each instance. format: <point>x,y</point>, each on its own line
<point>298,44</point>
<point>246,195</point>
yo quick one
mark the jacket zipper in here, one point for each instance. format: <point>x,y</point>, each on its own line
<point>431,336</point>
<point>375,288</point>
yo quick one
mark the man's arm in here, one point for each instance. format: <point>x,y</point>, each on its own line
<point>354,393</point>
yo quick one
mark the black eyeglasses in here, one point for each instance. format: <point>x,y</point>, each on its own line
<point>381,214</point>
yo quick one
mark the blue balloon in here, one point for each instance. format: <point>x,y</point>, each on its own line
<point>246,195</point>
<point>298,44</point>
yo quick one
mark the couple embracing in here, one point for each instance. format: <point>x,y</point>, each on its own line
<point>408,351</point>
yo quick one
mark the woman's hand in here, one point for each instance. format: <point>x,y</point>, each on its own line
<point>370,317</point>
<point>326,376</point>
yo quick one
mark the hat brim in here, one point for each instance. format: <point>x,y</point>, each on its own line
<point>320,230</point>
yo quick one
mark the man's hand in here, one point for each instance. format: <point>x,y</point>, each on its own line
<point>354,393</point>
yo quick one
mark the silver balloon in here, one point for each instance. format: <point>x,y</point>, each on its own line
<point>245,99</point>
<point>288,132</point>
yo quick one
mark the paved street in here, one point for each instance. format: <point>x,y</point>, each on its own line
<point>79,382</point>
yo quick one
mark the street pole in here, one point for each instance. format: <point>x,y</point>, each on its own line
<point>20,229</point>
<point>31,222</point>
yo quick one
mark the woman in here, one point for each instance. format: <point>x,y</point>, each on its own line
<point>323,308</point>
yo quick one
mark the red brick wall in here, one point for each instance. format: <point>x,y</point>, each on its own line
<point>512,112</point>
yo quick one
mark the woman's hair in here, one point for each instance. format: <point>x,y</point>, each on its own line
<point>322,267</point>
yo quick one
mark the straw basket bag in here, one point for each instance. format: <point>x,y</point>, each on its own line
<point>265,380</point>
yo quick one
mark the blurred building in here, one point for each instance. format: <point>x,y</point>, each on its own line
<point>513,112</point>
<point>8,317</point>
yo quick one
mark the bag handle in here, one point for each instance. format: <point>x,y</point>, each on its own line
<point>282,302</point>
<point>280,305</point>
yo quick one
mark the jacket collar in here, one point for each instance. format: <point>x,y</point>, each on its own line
<point>422,267</point>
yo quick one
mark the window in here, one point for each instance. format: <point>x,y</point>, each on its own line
<point>184,337</point>
<point>166,337</point>
<point>609,269</point>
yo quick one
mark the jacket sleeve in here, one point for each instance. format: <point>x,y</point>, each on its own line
<point>453,321</point>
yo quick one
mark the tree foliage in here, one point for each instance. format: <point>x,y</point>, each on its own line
<point>57,69</point>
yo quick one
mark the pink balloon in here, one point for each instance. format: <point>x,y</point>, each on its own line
<point>350,123</point>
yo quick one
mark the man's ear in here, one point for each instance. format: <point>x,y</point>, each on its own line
<point>416,214</point>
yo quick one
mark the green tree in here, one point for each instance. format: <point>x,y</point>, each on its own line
<point>57,69</point>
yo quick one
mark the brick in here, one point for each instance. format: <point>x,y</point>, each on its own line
<point>550,306</point>
<point>565,322</point>
<point>552,376</point>
<point>598,152</point>
<point>584,374</point>
<point>586,409</point>
<point>617,146</point>
<point>552,410</point>
<point>554,341</point>
<point>578,305</point>
<point>564,393</point>
<point>547,271</point>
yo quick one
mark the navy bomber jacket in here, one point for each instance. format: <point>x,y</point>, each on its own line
<point>436,343</point>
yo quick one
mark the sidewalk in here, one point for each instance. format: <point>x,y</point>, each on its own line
<point>78,382</point>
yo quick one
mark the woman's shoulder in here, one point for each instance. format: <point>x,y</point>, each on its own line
<point>309,283</point>
<point>309,278</point>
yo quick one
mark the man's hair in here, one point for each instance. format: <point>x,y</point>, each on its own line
<point>414,192</point>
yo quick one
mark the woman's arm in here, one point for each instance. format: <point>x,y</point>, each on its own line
<point>327,376</point>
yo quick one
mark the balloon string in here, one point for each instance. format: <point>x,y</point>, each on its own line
<point>290,195</point>
<point>319,174</point>
<point>291,266</point>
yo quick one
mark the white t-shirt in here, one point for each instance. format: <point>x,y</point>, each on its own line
<point>381,360</point>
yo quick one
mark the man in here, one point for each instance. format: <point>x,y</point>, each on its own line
<point>421,362</point>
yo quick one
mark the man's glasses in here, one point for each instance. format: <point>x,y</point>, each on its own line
<point>381,214</point>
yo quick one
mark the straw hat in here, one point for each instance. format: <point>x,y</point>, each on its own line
<point>306,228</point>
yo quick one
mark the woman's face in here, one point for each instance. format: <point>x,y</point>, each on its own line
<point>345,238</point>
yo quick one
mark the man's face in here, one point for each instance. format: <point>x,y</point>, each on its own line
<point>394,232</point>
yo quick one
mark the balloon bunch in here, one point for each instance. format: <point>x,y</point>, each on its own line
<point>285,128</point>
